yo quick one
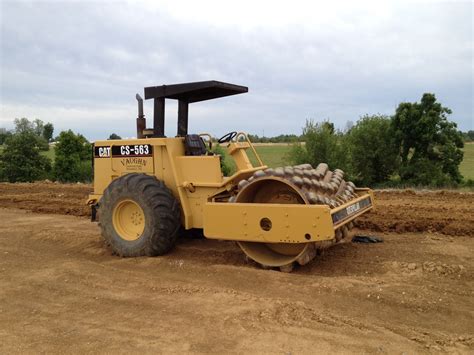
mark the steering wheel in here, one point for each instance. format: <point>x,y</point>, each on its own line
<point>227,137</point>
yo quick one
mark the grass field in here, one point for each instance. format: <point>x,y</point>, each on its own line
<point>273,155</point>
<point>467,165</point>
<point>50,153</point>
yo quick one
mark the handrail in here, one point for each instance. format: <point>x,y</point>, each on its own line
<point>250,144</point>
<point>208,136</point>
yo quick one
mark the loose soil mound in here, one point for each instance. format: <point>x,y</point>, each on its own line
<point>46,197</point>
<point>445,212</point>
<point>399,211</point>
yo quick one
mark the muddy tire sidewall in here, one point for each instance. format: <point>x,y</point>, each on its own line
<point>160,208</point>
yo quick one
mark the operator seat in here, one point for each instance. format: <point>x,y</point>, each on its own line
<point>194,145</point>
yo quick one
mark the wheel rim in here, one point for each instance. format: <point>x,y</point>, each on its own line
<point>129,220</point>
<point>272,190</point>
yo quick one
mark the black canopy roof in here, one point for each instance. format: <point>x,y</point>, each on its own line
<point>194,92</point>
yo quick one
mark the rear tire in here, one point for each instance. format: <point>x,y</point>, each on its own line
<point>139,216</point>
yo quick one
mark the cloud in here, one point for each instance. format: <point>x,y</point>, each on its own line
<point>79,64</point>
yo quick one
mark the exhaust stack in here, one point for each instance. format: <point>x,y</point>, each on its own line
<point>141,121</point>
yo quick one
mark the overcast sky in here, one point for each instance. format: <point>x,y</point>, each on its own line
<point>79,64</point>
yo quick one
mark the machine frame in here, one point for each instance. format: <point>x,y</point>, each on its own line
<point>197,182</point>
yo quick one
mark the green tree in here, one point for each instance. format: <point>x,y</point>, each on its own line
<point>21,160</point>
<point>469,136</point>
<point>23,125</point>
<point>48,130</point>
<point>73,158</point>
<point>430,145</point>
<point>373,152</point>
<point>114,136</point>
<point>35,127</point>
<point>38,127</point>
<point>323,145</point>
<point>4,134</point>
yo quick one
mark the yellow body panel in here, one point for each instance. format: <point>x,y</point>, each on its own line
<point>200,170</point>
<point>194,180</point>
<point>289,223</point>
<point>237,151</point>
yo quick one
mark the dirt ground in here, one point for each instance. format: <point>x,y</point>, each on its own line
<point>61,290</point>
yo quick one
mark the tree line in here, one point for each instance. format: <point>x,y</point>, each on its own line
<point>282,138</point>
<point>21,159</point>
<point>416,146</point>
<point>294,138</point>
<point>468,136</point>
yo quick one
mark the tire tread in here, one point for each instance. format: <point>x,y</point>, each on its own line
<point>157,201</point>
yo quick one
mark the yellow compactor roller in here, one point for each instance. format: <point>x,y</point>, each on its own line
<point>150,189</point>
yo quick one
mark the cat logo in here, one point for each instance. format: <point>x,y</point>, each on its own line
<point>103,152</point>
